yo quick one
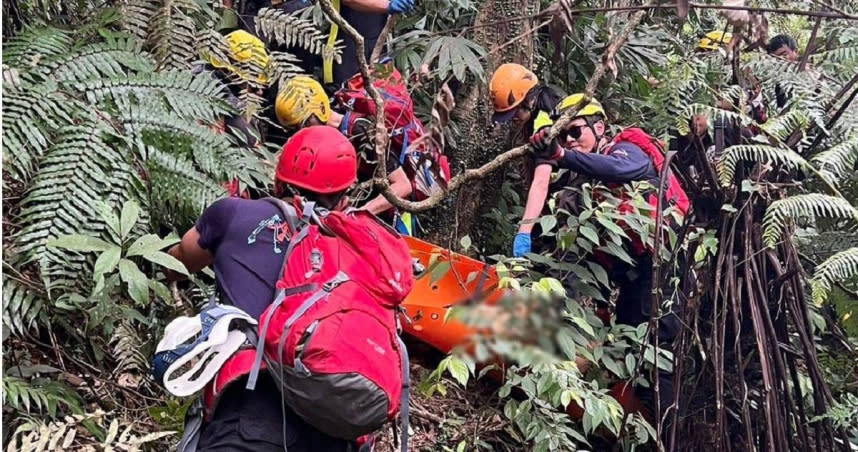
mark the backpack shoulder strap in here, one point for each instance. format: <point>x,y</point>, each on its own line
<point>299,230</point>
<point>289,212</point>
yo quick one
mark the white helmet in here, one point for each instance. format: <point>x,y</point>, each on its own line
<point>194,348</point>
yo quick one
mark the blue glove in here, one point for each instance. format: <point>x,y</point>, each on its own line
<point>400,6</point>
<point>521,244</point>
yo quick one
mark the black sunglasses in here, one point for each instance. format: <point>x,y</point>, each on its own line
<point>573,132</point>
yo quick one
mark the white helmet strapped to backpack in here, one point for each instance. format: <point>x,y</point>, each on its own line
<point>193,349</point>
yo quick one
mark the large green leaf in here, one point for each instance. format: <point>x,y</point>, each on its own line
<point>457,55</point>
<point>165,260</point>
<point>150,243</point>
<point>138,283</point>
<point>128,218</point>
<point>79,242</point>
<point>107,261</point>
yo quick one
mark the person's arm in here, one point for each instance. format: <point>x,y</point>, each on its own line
<point>335,120</point>
<point>536,197</point>
<point>196,250</point>
<point>368,6</point>
<point>190,253</point>
<point>399,184</point>
<point>623,164</point>
<point>380,6</point>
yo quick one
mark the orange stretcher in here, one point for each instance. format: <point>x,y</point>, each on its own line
<point>449,279</point>
<point>459,280</point>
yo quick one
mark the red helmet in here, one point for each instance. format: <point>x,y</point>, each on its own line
<point>319,159</point>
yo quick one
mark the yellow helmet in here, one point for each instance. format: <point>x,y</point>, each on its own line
<point>299,99</point>
<point>714,39</point>
<point>244,50</point>
<point>592,108</point>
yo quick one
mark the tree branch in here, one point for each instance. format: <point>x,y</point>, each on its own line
<point>381,138</point>
<point>502,159</point>
<point>810,44</point>
<point>832,7</point>
<point>382,37</point>
<point>835,117</point>
<point>797,12</point>
<point>611,52</point>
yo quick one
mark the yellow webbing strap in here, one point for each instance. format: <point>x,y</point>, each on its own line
<point>328,56</point>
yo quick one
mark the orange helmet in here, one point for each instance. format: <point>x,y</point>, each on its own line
<point>509,86</point>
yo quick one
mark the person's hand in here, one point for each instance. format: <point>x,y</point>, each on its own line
<point>521,244</point>
<point>400,6</point>
<point>544,147</point>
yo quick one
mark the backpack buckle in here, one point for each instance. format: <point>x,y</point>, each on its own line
<point>338,279</point>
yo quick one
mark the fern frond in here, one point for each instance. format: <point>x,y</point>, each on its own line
<point>210,147</point>
<point>28,119</point>
<point>840,267</point>
<point>69,434</point>
<point>290,30</point>
<point>282,67</point>
<point>211,45</point>
<point>838,55</point>
<point>107,59</point>
<point>173,34</point>
<point>136,17</point>
<point>811,205</point>
<point>197,96</point>
<point>184,192</point>
<point>79,171</point>
<point>714,114</point>
<point>126,350</point>
<point>783,126</point>
<point>43,395</point>
<point>251,104</point>
<point>21,306</point>
<point>839,160</point>
<point>32,45</point>
<point>756,153</point>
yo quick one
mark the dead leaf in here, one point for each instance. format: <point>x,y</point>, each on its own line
<point>128,380</point>
<point>562,22</point>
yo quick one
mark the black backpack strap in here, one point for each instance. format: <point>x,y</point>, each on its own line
<point>193,427</point>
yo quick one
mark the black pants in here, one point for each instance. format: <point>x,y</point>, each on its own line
<point>634,306</point>
<point>253,421</point>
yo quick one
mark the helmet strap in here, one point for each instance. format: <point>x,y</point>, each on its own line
<point>601,140</point>
<point>591,125</point>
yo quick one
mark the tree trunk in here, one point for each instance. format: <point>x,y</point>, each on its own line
<point>481,141</point>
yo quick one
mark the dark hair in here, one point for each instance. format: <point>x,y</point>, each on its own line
<point>779,41</point>
<point>545,98</point>
<point>326,200</point>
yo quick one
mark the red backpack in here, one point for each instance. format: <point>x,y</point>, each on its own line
<point>330,338</point>
<point>674,193</point>
<point>652,147</point>
<point>403,126</point>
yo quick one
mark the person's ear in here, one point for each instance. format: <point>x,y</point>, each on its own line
<point>279,189</point>
<point>343,203</point>
<point>599,127</point>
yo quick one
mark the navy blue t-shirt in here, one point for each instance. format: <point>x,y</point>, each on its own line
<point>624,162</point>
<point>248,239</point>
